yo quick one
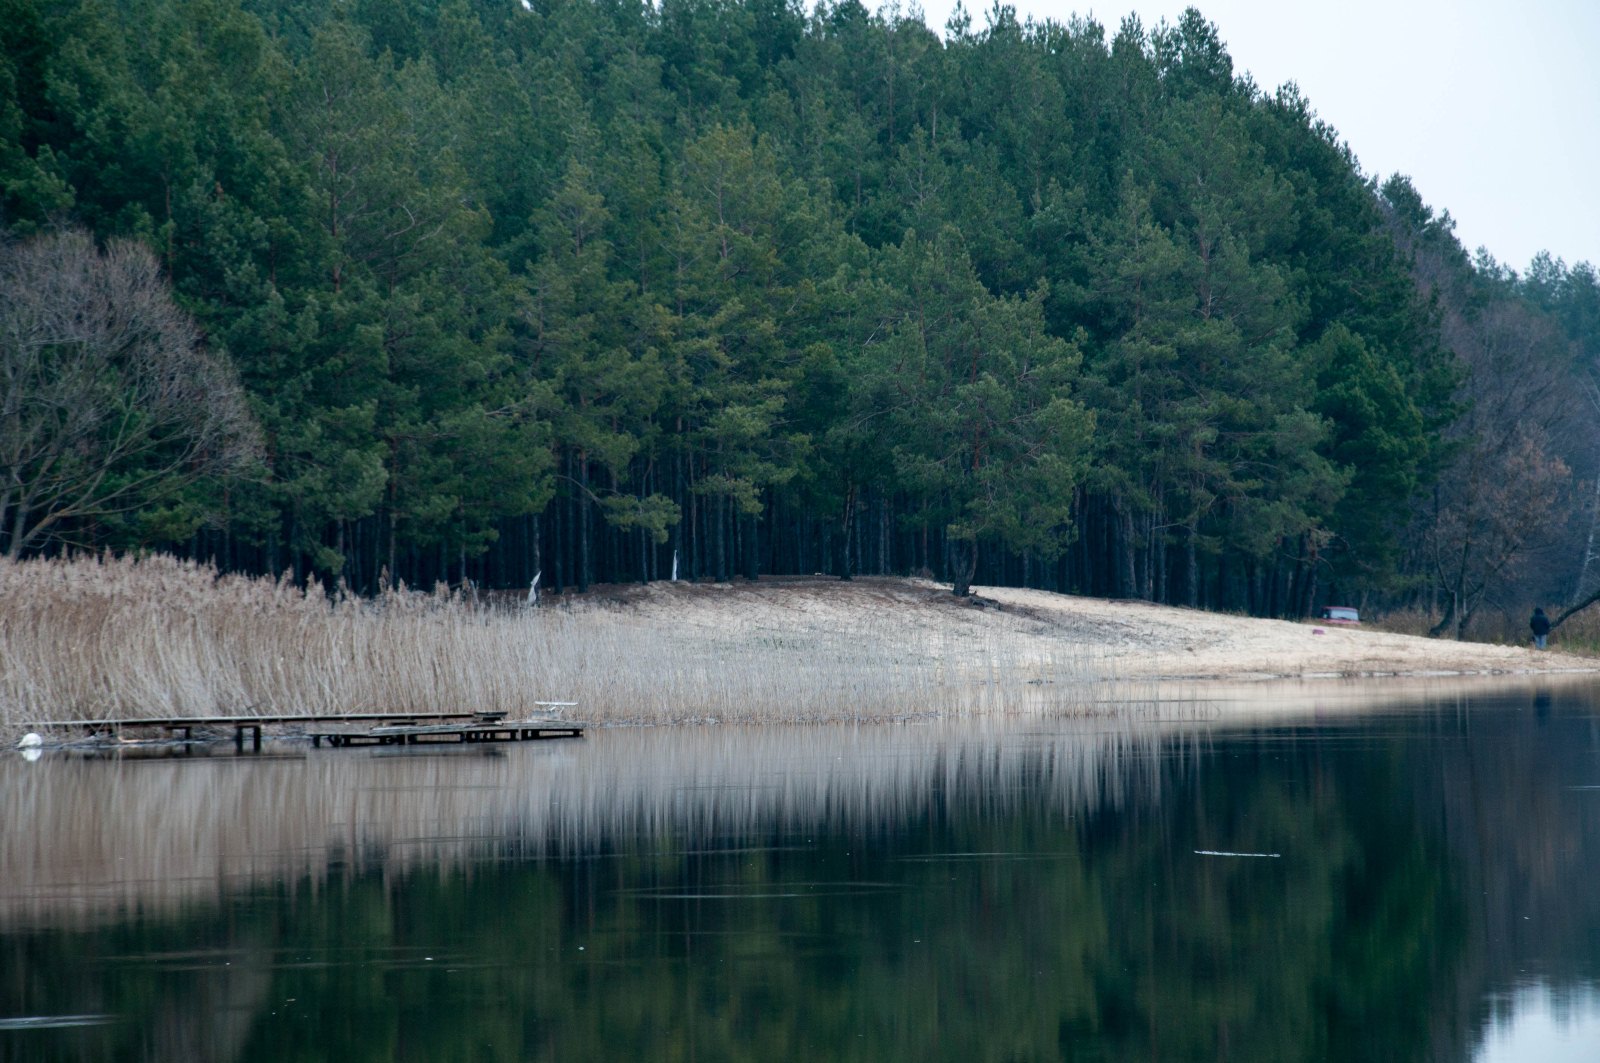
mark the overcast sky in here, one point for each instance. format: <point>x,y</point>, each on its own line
<point>1492,108</point>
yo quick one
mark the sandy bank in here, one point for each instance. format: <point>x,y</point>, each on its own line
<point>1118,639</point>
<point>93,639</point>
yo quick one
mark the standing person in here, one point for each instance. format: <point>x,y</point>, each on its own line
<point>1540,626</point>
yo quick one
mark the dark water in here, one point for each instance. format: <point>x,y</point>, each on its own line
<point>1412,884</point>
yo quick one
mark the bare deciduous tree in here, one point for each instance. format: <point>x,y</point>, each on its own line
<point>1495,504</point>
<point>109,401</point>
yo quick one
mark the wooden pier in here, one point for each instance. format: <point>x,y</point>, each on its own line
<point>343,729</point>
<point>427,734</point>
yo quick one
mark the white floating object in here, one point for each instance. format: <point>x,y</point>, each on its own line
<point>1213,852</point>
<point>30,741</point>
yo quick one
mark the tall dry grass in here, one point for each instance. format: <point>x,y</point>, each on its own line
<point>157,637</point>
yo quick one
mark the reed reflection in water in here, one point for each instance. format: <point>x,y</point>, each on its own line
<point>93,838</point>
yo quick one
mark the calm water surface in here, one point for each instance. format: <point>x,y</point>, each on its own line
<point>1417,882</point>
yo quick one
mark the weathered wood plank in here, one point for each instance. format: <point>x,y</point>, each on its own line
<point>276,719</point>
<point>511,731</point>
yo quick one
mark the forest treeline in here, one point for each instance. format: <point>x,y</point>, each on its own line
<point>479,289</point>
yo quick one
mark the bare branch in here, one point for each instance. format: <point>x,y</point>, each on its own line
<point>110,402</point>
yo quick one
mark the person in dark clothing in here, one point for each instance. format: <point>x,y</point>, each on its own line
<point>1540,626</point>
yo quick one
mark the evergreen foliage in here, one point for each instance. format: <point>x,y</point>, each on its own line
<point>608,291</point>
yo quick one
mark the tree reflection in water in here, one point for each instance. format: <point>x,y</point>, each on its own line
<point>1020,888</point>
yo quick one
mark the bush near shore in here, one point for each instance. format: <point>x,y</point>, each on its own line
<point>1578,635</point>
<point>126,638</point>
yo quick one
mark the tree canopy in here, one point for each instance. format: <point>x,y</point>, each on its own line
<point>607,292</point>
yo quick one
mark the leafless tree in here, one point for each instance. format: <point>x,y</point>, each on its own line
<point>109,401</point>
<point>1587,591</point>
<point>1496,503</point>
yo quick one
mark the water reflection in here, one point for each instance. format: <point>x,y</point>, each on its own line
<point>1312,885</point>
<point>147,833</point>
<point>1538,1022</point>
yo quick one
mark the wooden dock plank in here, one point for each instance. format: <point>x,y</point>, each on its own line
<point>345,729</point>
<point>276,719</point>
<point>415,734</point>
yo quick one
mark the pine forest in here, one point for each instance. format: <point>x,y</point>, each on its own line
<point>374,292</point>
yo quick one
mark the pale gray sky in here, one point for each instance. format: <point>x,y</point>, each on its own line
<point>1492,108</point>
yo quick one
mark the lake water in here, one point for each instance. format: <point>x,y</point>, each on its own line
<point>1329,878</point>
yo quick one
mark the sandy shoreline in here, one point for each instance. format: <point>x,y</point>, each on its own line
<point>1123,639</point>
<point>154,640</point>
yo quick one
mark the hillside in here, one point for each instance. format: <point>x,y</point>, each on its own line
<point>467,293</point>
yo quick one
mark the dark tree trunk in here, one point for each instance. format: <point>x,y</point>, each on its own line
<point>1127,585</point>
<point>585,573</point>
<point>885,541</point>
<point>752,549</point>
<point>691,554</point>
<point>1191,568</point>
<point>842,564</point>
<point>535,560</point>
<point>1448,619</point>
<point>720,515</point>
<point>964,567</point>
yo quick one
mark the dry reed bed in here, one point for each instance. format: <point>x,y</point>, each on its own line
<point>109,637</point>
<point>90,839</point>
